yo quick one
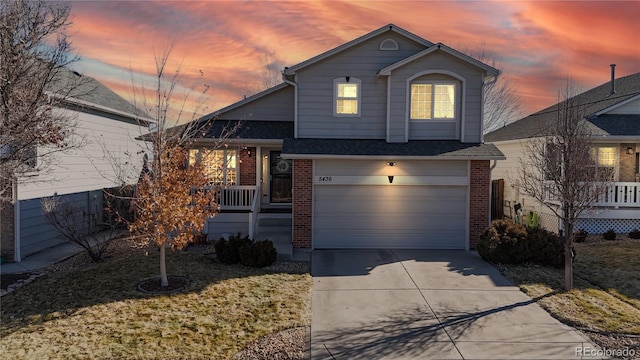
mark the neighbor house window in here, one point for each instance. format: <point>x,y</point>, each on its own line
<point>346,96</point>
<point>433,100</point>
<point>220,164</point>
<point>604,160</point>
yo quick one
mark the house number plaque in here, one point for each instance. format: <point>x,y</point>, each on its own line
<point>324,179</point>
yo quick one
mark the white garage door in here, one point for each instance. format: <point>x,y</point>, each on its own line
<point>373,216</point>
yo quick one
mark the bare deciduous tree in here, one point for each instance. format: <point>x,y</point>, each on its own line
<point>502,105</point>
<point>75,225</point>
<point>559,171</point>
<point>34,83</point>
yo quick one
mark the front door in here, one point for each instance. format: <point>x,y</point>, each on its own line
<point>281,180</point>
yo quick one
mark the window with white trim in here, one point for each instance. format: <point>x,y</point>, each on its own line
<point>220,164</point>
<point>433,100</point>
<point>346,96</point>
<point>605,159</point>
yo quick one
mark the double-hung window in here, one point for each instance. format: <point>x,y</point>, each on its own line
<point>220,165</point>
<point>346,96</point>
<point>433,100</point>
<point>604,160</point>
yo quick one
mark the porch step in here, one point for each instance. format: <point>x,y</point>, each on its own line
<point>277,228</point>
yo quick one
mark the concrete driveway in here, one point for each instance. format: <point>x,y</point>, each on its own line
<point>427,304</point>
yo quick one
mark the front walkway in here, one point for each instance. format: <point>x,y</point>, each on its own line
<point>427,304</point>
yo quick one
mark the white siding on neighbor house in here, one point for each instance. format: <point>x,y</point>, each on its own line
<point>509,170</point>
<point>276,106</point>
<point>437,66</point>
<point>107,143</point>
<point>315,90</point>
<point>355,206</point>
<point>632,107</point>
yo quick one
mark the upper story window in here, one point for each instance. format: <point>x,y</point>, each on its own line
<point>220,165</point>
<point>433,100</point>
<point>346,96</point>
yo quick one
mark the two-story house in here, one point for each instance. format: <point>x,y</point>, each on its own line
<point>611,112</point>
<point>376,143</point>
<point>105,153</point>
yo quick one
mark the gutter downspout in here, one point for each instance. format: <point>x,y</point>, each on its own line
<point>295,103</point>
<point>17,256</point>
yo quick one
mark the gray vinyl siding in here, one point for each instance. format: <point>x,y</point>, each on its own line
<point>315,90</point>
<point>36,233</point>
<point>379,167</point>
<point>470,93</point>
<point>225,224</point>
<point>277,106</point>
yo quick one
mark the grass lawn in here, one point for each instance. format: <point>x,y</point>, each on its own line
<point>99,314</point>
<point>606,297</point>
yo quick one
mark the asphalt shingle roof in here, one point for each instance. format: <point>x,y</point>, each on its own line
<point>251,129</point>
<point>592,102</point>
<point>374,147</point>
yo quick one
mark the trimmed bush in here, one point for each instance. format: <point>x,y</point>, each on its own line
<point>228,252</point>
<point>544,247</point>
<point>503,242</point>
<point>580,236</point>
<point>509,243</point>
<point>634,234</point>
<point>258,254</point>
<point>609,235</point>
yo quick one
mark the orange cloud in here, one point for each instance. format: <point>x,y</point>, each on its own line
<point>538,43</point>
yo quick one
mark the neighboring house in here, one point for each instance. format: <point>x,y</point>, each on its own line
<point>612,112</point>
<point>107,126</point>
<point>374,144</point>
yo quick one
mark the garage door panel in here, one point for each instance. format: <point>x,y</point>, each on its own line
<point>370,216</point>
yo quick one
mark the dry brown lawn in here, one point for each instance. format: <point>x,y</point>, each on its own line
<point>97,313</point>
<point>606,298</point>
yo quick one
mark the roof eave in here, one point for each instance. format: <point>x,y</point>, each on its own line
<point>389,157</point>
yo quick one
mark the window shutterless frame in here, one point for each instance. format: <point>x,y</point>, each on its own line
<point>347,97</point>
<point>433,100</point>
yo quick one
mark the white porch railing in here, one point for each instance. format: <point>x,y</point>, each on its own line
<point>236,197</point>
<point>620,194</point>
<point>616,195</point>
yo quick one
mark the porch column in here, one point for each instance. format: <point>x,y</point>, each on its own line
<point>247,167</point>
<point>302,202</point>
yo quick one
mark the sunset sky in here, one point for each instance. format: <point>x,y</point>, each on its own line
<point>538,43</point>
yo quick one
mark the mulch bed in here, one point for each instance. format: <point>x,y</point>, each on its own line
<point>153,285</point>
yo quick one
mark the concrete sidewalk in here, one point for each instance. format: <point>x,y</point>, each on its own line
<point>42,259</point>
<point>427,304</point>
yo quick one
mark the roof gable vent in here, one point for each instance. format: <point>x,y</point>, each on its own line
<point>388,45</point>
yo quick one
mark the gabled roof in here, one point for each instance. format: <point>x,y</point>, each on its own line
<point>390,27</point>
<point>436,149</point>
<point>444,48</point>
<point>244,101</point>
<point>593,103</point>
<point>86,92</point>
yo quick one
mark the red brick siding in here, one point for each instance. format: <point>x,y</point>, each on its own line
<point>302,202</point>
<point>247,167</point>
<point>7,243</point>
<point>478,200</point>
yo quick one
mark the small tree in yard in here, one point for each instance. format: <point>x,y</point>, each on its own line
<point>558,169</point>
<point>171,202</point>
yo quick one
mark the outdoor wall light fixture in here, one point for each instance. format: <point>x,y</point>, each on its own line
<point>391,163</point>
<point>629,150</point>
<point>390,179</point>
